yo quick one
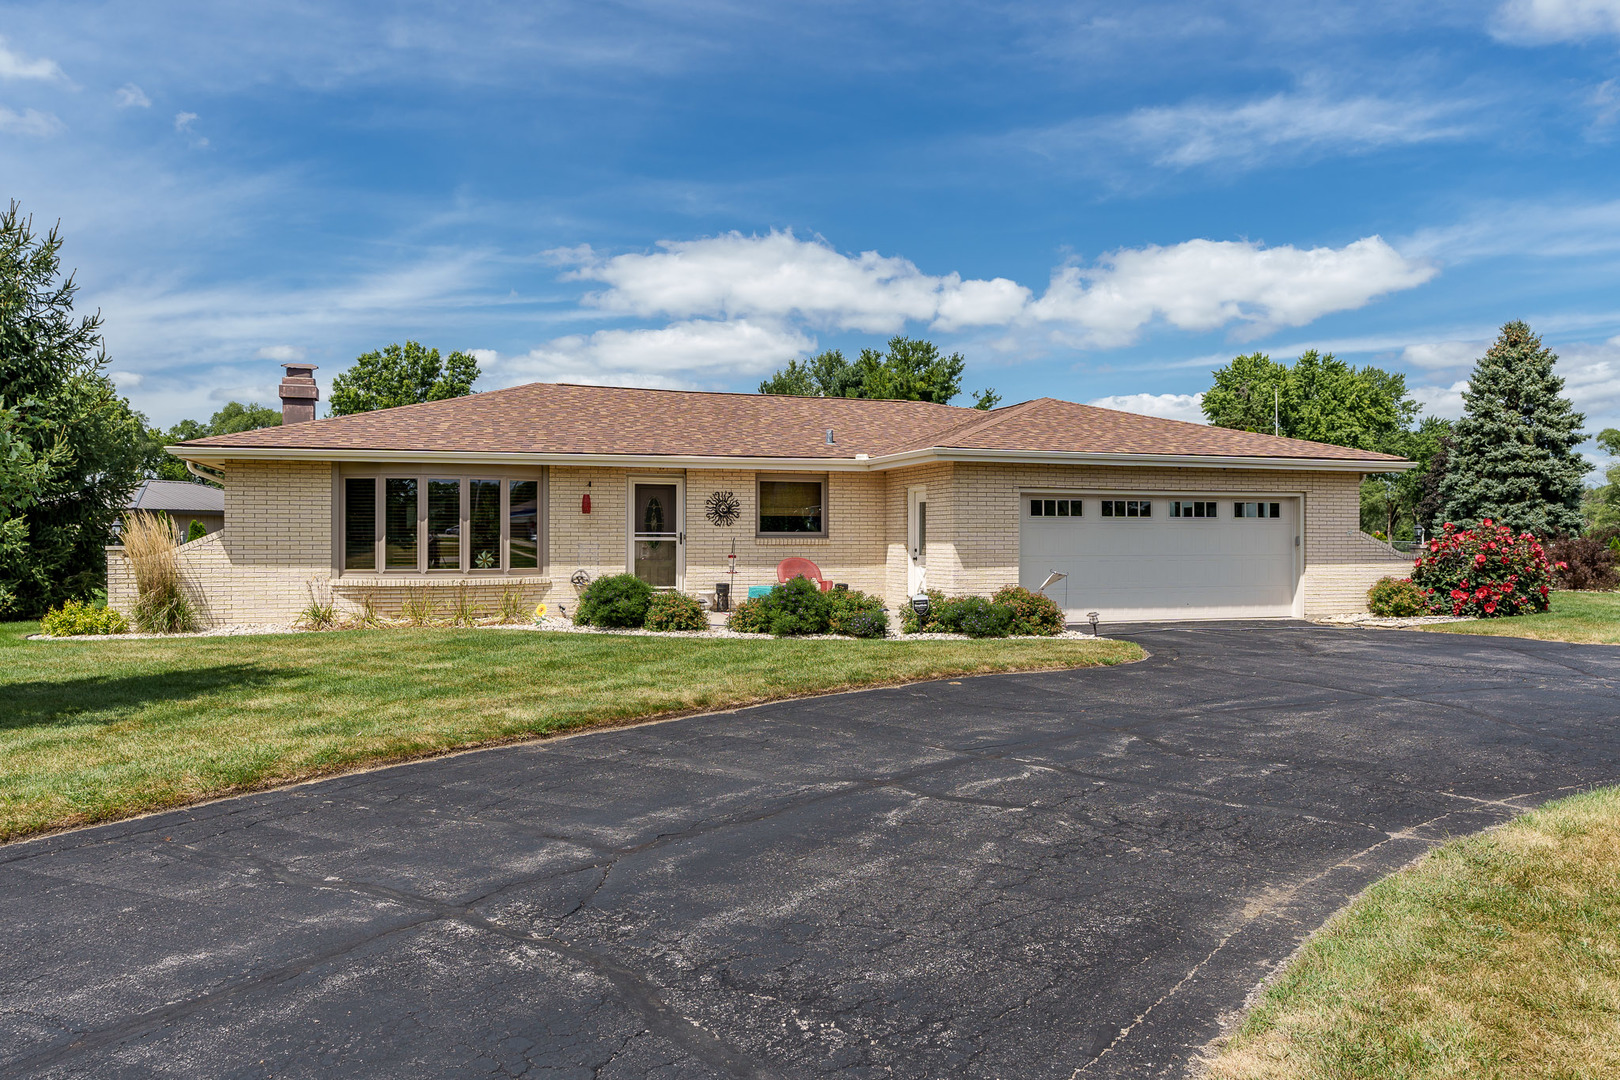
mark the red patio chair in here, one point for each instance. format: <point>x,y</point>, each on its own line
<point>788,569</point>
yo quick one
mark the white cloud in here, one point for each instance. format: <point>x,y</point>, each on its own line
<point>1202,285</point>
<point>1544,229</point>
<point>1170,406</point>
<point>1186,135</point>
<point>183,122</point>
<point>130,96</point>
<point>778,275</point>
<point>1197,285</point>
<point>14,65</point>
<point>1537,22</point>
<point>1444,354</point>
<point>285,354</point>
<point>28,122</point>
<point>675,355</point>
<point>1443,401</point>
<point>1591,373</point>
<point>1590,370</point>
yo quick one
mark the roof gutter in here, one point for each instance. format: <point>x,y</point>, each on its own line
<point>213,456</point>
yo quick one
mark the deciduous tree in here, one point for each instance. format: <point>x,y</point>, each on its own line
<point>232,418</point>
<point>402,375</point>
<point>911,370</point>
<point>1320,398</point>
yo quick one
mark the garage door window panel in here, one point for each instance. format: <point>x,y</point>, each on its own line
<point>1127,508</point>
<point>1056,508</point>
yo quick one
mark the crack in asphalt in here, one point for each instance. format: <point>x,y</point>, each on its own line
<point>1248,919</point>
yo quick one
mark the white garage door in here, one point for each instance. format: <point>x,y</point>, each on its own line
<point>1147,557</point>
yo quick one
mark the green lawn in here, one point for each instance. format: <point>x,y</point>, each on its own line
<point>1496,957</point>
<point>1584,617</point>
<point>95,730</point>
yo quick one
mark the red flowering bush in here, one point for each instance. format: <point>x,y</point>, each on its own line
<point>1485,573</point>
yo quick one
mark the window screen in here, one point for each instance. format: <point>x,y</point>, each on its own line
<point>360,524</point>
<point>399,511</point>
<point>484,522</point>
<point>444,525</point>
<point>791,506</point>
<point>523,552</point>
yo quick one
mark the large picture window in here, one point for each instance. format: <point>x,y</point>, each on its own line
<point>793,507</point>
<point>426,523</point>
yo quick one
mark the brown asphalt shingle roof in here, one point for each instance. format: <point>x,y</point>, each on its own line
<point>560,418</point>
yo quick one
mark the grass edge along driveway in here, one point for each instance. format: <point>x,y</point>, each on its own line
<point>1585,618</point>
<point>94,731</point>
<point>1494,956</point>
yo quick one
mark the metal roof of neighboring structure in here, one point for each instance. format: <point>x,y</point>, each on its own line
<point>177,497</point>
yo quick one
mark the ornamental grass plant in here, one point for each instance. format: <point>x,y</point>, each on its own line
<point>161,603</point>
<point>1486,572</point>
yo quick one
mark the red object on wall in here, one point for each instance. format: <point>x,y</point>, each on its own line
<point>585,503</point>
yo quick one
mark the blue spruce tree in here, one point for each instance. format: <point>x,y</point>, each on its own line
<point>1513,459</point>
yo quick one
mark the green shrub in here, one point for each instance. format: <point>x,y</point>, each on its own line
<point>1034,614</point>
<point>912,623</point>
<point>620,600</point>
<point>1397,598</point>
<point>675,611</point>
<point>855,614</point>
<point>75,617</point>
<point>974,616</point>
<point>748,617</point>
<point>196,531</point>
<point>795,607</point>
<point>1487,572</point>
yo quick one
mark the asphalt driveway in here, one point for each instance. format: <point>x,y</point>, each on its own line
<point>1058,875</point>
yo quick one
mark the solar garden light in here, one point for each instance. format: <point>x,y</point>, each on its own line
<point>1092,615</point>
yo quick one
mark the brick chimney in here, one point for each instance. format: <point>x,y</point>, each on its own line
<point>298,394</point>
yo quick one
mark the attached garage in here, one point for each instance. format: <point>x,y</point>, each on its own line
<point>1148,556</point>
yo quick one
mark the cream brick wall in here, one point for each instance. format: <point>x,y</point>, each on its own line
<point>853,551</point>
<point>276,548</point>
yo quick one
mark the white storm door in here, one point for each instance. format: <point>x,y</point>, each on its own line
<point>916,538</point>
<point>657,531</point>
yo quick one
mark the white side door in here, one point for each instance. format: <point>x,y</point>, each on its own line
<point>916,538</point>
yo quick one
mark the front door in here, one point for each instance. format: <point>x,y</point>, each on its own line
<point>658,531</point>
<point>916,538</point>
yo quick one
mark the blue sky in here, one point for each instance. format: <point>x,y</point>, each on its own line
<point>1095,202</point>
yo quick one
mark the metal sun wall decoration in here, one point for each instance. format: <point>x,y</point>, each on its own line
<point>722,508</point>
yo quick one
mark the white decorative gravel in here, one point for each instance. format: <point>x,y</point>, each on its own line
<point>1386,622</point>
